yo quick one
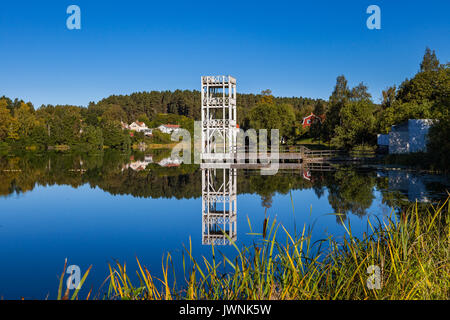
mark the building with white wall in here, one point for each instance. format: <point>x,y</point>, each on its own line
<point>168,128</point>
<point>407,137</point>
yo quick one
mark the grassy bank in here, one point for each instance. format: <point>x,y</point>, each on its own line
<point>406,257</point>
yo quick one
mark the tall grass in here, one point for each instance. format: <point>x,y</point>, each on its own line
<point>411,252</point>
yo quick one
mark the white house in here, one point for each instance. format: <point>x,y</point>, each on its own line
<point>168,128</point>
<point>407,137</point>
<point>140,127</point>
<point>170,162</point>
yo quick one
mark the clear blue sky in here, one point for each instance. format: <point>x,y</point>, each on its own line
<point>295,48</point>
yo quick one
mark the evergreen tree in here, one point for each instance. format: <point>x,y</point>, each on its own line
<point>338,99</point>
<point>429,62</point>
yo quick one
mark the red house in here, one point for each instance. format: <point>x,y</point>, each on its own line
<point>308,120</point>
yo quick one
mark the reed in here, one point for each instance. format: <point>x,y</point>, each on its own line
<point>410,251</point>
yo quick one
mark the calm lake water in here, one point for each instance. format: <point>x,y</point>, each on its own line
<point>95,209</point>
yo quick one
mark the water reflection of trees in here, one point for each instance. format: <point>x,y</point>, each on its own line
<point>348,190</point>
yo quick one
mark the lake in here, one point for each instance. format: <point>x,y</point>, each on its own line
<point>94,209</point>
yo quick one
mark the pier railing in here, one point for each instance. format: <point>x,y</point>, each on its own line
<point>309,153</point>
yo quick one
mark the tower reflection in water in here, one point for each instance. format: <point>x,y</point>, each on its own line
<point>219,204</point>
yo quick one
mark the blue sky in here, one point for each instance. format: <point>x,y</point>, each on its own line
<point>295,48</point>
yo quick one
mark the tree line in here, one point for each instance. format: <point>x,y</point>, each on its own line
<point>99,124</point>
<point>352,119</point>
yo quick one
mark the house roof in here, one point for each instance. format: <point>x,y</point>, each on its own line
<point>171,125</point>
<point>313,115</point>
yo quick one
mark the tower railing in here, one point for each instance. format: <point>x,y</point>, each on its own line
<point>218,116</point>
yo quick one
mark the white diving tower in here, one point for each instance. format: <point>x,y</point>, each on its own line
<point>219,133</point>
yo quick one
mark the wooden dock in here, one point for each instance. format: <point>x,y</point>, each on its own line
<point>289,158</point>
<point>298,153</point>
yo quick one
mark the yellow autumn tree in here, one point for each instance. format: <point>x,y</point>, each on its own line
<point>5,120</point>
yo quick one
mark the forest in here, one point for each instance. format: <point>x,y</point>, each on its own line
<point>351,118</point>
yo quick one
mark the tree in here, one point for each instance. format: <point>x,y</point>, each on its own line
<point>388,97</point>
<point>25,119</point>
<point>266,97</point>
<point>13,130</point>
<point>429,61</point>
<point>350,119</point>
<point>5,120</point>
<point>315,130</point>
<point>341,91</point>
<point>319,108</point>
<point>272,116</point>
<point>360,93</point>
<point>92,138</point>
<point>338,99</point>
<point>38,136</point>
<point>426,95</point>
<point>357,124</point>
<point>439,143</point>
<point>115,112</point>
<point>115,137</point>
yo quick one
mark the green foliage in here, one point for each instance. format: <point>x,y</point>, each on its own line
<point>115,137</point>
<point>266,115</point>
<point>38,137</point>
<point>319,108</point>
<point>337,101</point>
<point>350,117</point>
<point>115,113</point>
<point>152,103</point>
<point>165,118</point>
<point>92,138</point>
<point>64,125</point>
<point>430,61</point>
<point>315,130</point>
<point>159,137</point>
<point>425,96</point>
<point>400,112</point>
<point>353,119</point>
<point>5,120</point>
<point>357,125</point>
<point>439,144</point>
